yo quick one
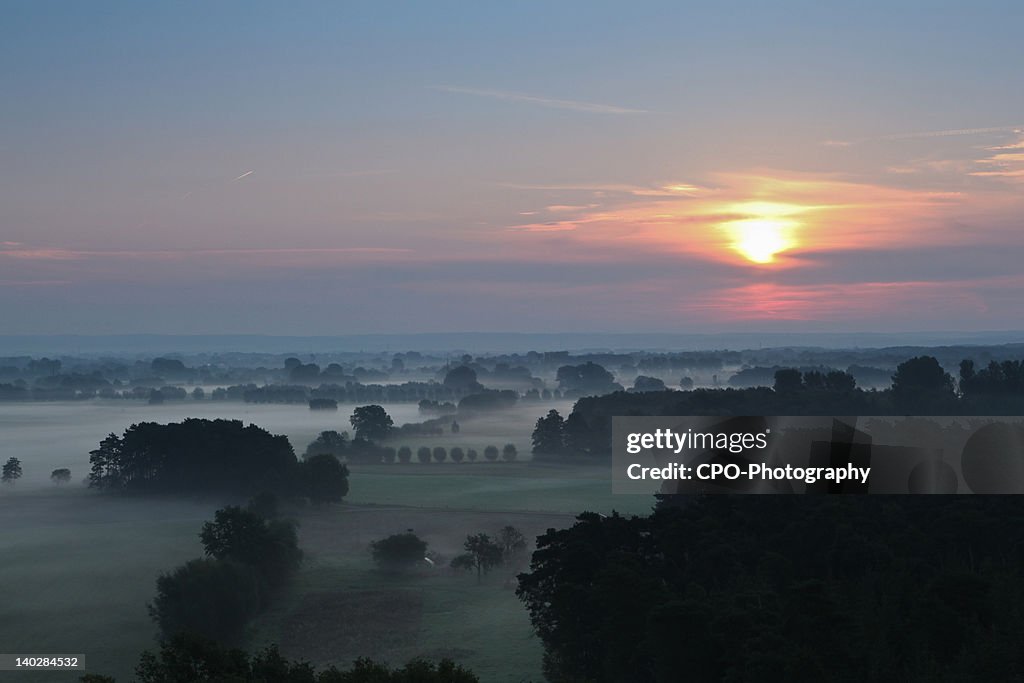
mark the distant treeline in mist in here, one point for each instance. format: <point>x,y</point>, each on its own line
<point>413,376</point>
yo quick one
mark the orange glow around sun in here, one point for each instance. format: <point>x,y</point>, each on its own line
<point>767,231</point>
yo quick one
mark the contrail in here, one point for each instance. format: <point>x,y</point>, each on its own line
<point>247,173</point>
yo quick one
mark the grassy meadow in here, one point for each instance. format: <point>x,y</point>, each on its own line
<point>77,568</point>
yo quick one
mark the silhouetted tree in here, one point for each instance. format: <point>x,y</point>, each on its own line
<point>324,478</point>
<point>921,386</point>
<point>512,543</point>
<point>491,453</point>
<point>371,422</point>
<point>440,454</point>
<point>11,471</point>
<point>645,383</point>
<point>549,435</point>
<point>240,535</point>
<point>423,454</point>
<point>399,551</point>
<point>509,452</point>
<point>60,476</point>
<point>211,598</point>
<point>462,380</point>
<point>482,554</point>
<point>788,380</point>
<point>471,454</point>
<point>457,454</point>
<point>404,454</point>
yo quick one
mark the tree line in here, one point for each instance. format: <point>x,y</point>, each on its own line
<point>212,456</point>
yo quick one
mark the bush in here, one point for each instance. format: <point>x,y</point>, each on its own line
<point>323,478</point>
<point>399,551</point>
<point>60,476</point>
<point>209,597</point>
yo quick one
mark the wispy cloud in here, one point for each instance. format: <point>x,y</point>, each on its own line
<point>552,102</point>
<point>244,175</point>
<point>52,254</point>
<point>952,132</point>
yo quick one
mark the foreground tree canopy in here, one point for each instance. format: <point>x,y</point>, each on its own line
<point>732,588</point>
<point>210,456</point>
<point>187,658</point>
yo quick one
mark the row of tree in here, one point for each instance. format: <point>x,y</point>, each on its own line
<point>188,658</point>
<point>12,472</point>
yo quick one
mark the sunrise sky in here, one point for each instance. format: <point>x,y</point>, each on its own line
<point>333,168</point>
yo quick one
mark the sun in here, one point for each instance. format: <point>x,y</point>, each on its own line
<point>760,239</point>
<point>765,233</point>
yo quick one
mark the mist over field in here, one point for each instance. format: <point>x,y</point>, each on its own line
<point>322,326</point>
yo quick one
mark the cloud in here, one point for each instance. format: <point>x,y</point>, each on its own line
<point>51,254</point>
<point>952,132</point>
<point>244,175</point>
<point>554,103</point>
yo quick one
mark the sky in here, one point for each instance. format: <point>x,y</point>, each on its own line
<point>330,168</point>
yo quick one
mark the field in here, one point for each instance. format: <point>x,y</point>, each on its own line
<point>79,567</point>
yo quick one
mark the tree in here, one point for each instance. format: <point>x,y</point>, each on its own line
<point>399,551</point>
<point>512,543</point>
<point>269,546</point>
<point>587,379</point>
<point>462,380</point>
<point>509,452</point>
<point>190,658</point>
<point>371,422</point>
<point>491,453</point>
<point>839,381</point>
<point>471,454</point>
<point>482,554</point>
<point>645,383</point>
<point>457,454</point>
<point>324,479</point>
<point>388,454</point>
<point>60,476</point>
<point>788,380</point>
<point>455,428</point>
<point>404,454</point>
<point>194,456</point>
<point>549,435</point>
<point>440,454</point>
<point>423,454</point>
<point>11,471</point>
<point>921,384</point>
<point>211,598</point>
<point>329,441</point>
<point>686,383</point>
<point>198,394</point>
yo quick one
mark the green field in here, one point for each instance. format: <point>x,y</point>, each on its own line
<point>78,568</point>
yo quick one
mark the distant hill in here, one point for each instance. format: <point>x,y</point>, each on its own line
<point>484,342</point>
